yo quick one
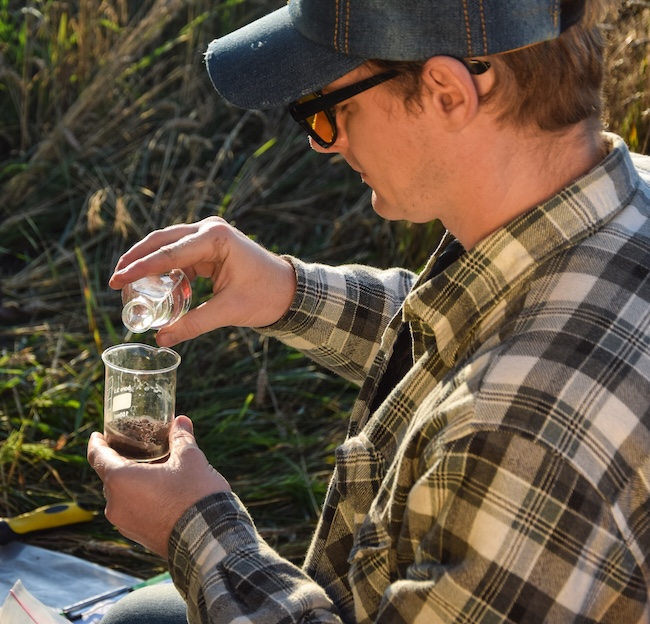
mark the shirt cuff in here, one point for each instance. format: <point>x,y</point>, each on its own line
<point>302,305</point>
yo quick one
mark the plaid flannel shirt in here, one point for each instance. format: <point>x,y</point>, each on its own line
<point>507,476</point>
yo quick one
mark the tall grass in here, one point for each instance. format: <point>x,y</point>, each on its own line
<point>627,90</point>
<point>110,128</point>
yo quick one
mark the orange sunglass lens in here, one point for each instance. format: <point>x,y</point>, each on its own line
<point>319,122</point>
<point>321,126</point>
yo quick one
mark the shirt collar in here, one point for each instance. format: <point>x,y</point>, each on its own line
<point>450,306</point>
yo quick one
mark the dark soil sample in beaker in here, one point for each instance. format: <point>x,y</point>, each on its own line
<point>142,439</point>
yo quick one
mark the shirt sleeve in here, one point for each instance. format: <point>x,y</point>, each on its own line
<point>227,573</point>
<point>339,314</point>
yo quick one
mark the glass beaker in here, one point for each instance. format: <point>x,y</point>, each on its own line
<point>139,399</point>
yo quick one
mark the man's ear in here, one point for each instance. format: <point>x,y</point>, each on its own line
<point>451,91</point>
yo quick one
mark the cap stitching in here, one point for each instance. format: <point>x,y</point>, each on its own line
<point>467,29</point>
<point>483,29</point>
<point>347,28</point>
<point>336,25</point>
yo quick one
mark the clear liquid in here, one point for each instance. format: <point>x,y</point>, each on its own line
<point>156,301</point>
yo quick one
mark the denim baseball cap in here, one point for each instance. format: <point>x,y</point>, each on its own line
<point>307,44</point>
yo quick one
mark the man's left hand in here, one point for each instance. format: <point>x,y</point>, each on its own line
<point>145,500</point>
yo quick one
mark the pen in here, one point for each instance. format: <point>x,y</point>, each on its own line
<point>75,611</point>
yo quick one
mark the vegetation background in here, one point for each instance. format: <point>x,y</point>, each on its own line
<point>110,128</point>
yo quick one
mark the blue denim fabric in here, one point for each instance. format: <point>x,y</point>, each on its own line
<point>310,43</point>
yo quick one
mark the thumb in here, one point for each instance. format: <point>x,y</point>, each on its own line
<point>181,434</point>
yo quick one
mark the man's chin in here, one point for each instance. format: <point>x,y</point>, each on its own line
<point>381,207</point>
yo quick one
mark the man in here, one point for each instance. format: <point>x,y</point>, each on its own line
<point>496,467</point>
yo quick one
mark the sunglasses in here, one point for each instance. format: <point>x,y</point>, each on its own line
<point>314,112</point>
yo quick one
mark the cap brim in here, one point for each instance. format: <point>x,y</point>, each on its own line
<point>269,63</point>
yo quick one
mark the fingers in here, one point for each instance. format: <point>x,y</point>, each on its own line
<point>102,457</point>
<point>161,238</point>
<point>191,247</point>
<point>170,487</point>
<point>181,434</point>
<point>204,318</point>
<point>152,243</point>
<point>193,324</point>
<point>183,423</point>
<point>235,307</point>
<point>242,272</point>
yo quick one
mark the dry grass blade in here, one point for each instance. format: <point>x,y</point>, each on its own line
<point>76,117</point>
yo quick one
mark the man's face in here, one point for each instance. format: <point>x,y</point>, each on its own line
<point>391,147</point>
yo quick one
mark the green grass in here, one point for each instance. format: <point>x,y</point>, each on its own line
<point>110,128</point>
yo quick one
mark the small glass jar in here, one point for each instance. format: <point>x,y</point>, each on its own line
<point>155,301</point>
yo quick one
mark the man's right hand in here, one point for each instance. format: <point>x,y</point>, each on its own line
<point>252,287</point>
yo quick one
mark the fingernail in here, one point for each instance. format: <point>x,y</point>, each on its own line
<point>163,340</point>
